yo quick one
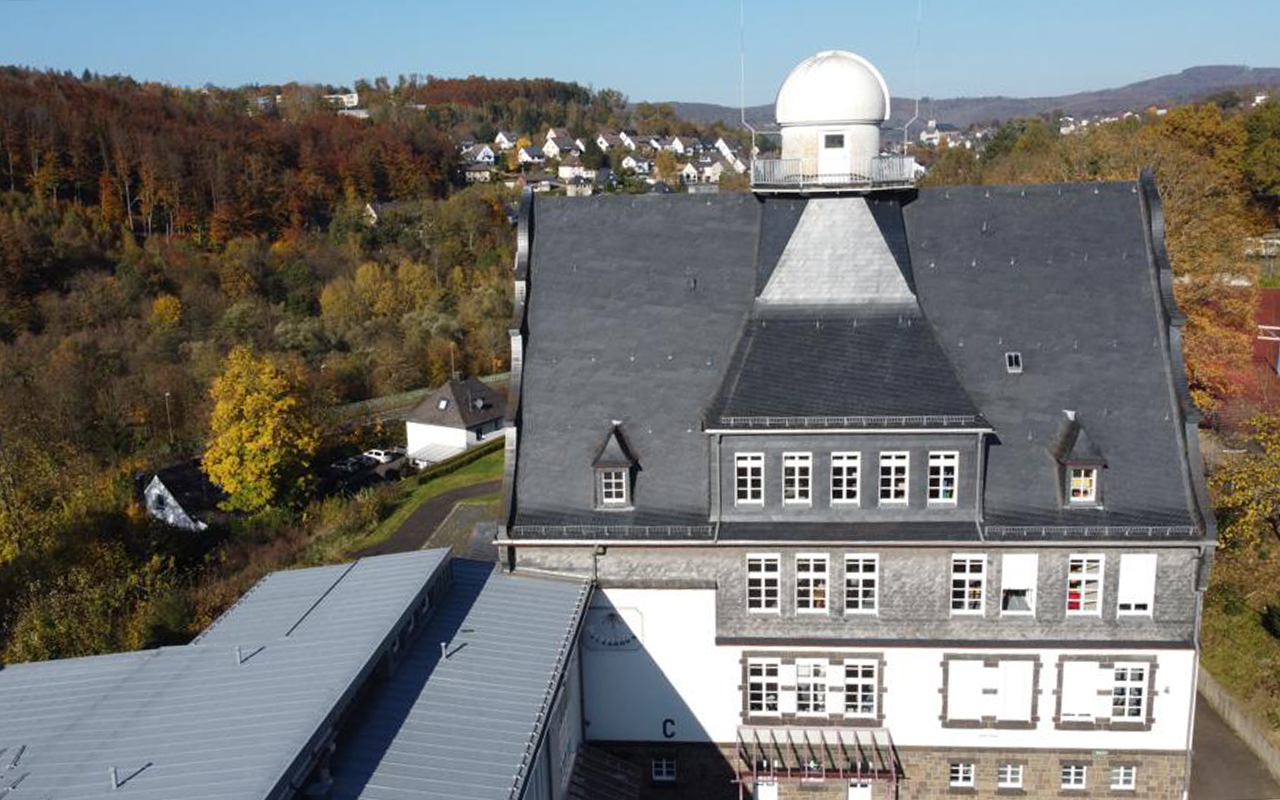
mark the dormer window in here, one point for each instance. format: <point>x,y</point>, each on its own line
<point>1080,463</point>
<point>615,468</point>
<point>1084,485</point>
<point>613,487</point>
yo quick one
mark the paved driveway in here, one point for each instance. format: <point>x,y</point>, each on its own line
<point>417,529</point>
<point>1222,767</point>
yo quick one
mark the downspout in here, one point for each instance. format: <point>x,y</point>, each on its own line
<point>1195,687</point>
<point>715,486</point>
<point>980,463</point>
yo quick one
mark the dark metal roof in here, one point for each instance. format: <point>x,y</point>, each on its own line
<point>466,725</point>
<point>239,713</point>
<point>192,488</point>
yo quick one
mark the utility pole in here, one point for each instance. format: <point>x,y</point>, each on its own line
<point>168,415</point>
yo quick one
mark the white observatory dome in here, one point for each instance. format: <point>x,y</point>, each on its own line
<point>833,87</point>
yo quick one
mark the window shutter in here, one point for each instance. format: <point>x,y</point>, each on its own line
<point>1080,683</point>
<point>965,682</point>
<point>1019,571</point>
<point>1015,690</point>
<point>1137,583</point>
<point>787,696</point>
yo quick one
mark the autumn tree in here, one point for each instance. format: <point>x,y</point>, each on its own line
<point>1248,488</point>
<point>263,433</point>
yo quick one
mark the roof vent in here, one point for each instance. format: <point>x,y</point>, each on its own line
<point>1013,363</point>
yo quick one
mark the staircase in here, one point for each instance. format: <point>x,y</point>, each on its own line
<point>600,776</point>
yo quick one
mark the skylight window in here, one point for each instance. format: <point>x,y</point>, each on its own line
<point>1013,363</point>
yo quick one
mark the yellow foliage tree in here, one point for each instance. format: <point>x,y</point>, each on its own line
<point>1248,488</point>
<point>166,312</point>
<point>264,434</point>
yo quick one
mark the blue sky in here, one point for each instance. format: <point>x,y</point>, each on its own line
<point>653,50</point>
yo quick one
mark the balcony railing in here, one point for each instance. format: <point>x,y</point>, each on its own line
<point>798,174</point>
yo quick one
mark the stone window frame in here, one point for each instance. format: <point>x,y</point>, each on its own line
<point>835,719</point>
<point>1108,661</point>
<point>1073,791</point>
<point>965,788</point>
<point>1022,765</point>
<point>992,660</point>
<point>1111,784</point>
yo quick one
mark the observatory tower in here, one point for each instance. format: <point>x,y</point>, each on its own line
<point>829,110</point>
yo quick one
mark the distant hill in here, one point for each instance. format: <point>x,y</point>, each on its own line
<point>1187,86</point>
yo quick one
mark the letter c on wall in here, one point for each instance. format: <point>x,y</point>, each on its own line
<point>668,728</point>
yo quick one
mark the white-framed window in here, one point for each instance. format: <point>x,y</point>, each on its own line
<point>860,688</point>
<point>1009,776</point>
<point>1129,692</point>
<point>797,474</point>
<point>943,469</point>
<point>961,775</point>
<point>1013,362</point>
<point>861,583</point>
<point>1018,575</point>
<point>662,769</point>
<point>968,583</point>
<point>764,572</point>
<point>1084,585</point>
<point>845,469</point>
<point>811,583</point>
<point>749,478</point>
<point>1084,485</point>
<point>1074,776</point>
<point>1124,778</point>
<point>762,687</point>
<point>613,487</point>
<point>1137,587</point>
<point>894,468</point>
<point>811,686</point>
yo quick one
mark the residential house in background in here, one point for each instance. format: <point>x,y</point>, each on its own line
<point>531,155</point>
<point>343,100</point>
<point>479,154</point>
<point>572,167</point>
<point>607,141</point>
<point>505,140</point>
<point>182,496</point>
<point>478,173</point>
<point>579,186</point>
<point>458,415</point>
<point>887,492</point>
<point>641,165</point>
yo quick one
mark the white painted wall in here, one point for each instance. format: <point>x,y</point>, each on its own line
<point>418,436</point>
<point>673,670</point>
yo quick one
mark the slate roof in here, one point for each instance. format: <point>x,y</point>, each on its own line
<point>191,488</point>
<point>467,403</point>
<point>857,367</point>
<point>658,322</point>
<point>201,721</point>
<point>466,726</point>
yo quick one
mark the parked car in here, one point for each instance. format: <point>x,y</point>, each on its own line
<point>348,465</point>
<point>381,456</point>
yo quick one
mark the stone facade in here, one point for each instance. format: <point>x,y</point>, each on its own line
<point>707,772</point>
<point>914,593</point>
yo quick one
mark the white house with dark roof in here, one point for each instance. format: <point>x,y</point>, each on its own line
<point>641,165</point>
<point>505,140</point>
<point>458,415</point>
<point>887,492</point>
<point>531,155</point>
<point>182,496</point>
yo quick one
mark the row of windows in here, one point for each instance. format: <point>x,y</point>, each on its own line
<point>1073,777</point>
<point>975,690</point>
<point>845,478</point>
<point>894,485</point>
<point>968,588</point>
<point>852,683</point>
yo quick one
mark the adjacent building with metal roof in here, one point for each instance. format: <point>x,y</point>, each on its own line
<point>406,675</point>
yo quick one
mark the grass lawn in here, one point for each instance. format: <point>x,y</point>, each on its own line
<point>483,469</point>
